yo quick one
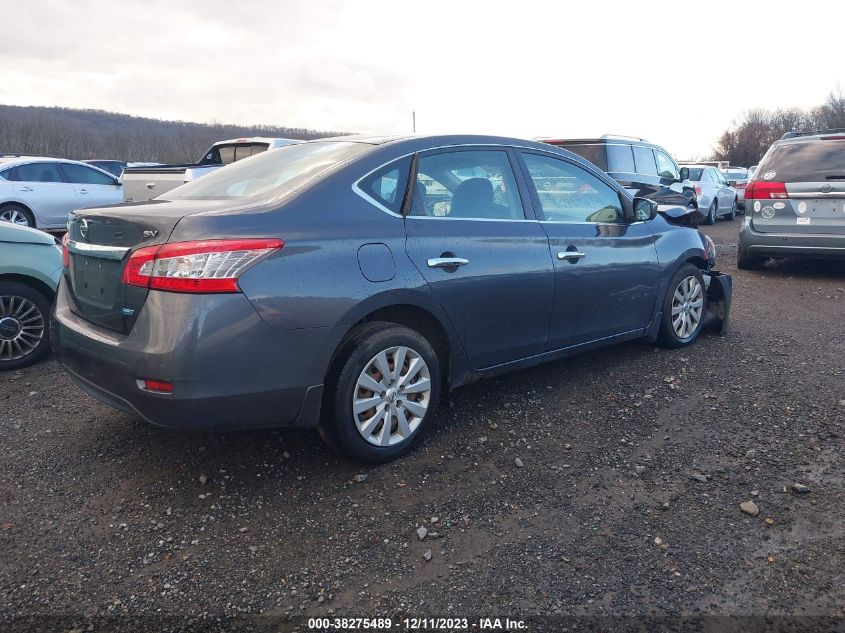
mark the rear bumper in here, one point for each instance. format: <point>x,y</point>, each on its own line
<point>755,244</point>
<point>227,367</point>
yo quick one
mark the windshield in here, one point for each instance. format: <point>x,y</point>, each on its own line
<point>270,174</point>
<point>812,161</point>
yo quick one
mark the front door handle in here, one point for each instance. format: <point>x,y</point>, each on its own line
<point>447,262</point>
<point>571,255</point>
<point>26,188</point>
<point>83,191</point>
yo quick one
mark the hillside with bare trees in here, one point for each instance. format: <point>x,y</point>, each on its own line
<point>85,134</point>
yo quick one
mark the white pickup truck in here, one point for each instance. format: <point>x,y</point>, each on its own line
<point>145,183</point>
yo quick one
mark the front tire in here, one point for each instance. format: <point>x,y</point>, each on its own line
<point>732,215</point>
<point>24,325</point>
<point>684,307</point>
<point>385,393</point>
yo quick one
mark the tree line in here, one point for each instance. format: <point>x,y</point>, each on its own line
<point>88,134</point>
<point>746,142</point>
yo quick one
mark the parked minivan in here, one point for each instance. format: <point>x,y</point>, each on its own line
<point>795,203</point>
<point>646,170</point>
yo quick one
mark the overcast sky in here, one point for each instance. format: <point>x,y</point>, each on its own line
<point>674,75</point>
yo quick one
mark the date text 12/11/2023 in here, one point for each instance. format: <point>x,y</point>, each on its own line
<point>416,624</point>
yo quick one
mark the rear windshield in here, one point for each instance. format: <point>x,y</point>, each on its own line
<point>593,153</point>
<point>227,154</point>
<point>812,161</point>
<point>695,173</point>
<point>737,174</point>
<point>270,174</point>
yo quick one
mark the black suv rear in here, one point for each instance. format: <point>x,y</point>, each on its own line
<point>644,169</point>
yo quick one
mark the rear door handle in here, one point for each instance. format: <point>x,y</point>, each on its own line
<point>83,191</point>
<point>26,188</point>
<point>447,262</point>
<point>571,255</point>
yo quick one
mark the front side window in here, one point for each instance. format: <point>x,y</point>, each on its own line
<point>644,159</point>
<point>82,175</point>
<point>666,167</point>
<point>466,184</point>
<point>568,193</point>
<point>387,185</point>
<point>35,172</point>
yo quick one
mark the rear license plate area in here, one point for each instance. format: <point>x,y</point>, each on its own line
<point>96,281</point>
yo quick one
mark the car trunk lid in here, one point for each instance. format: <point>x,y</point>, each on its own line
<point>99,242</point>
<point>811,208</point>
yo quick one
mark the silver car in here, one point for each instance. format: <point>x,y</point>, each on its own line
<point>737,178</point>
<point>796,201</point>
<point>41,192</point>
<point>715,197</point>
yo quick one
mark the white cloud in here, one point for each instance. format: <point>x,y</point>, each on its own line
<point>676,74</point>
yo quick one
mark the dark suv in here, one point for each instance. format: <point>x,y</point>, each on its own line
<point>795,203</point>
<point>644,169</point>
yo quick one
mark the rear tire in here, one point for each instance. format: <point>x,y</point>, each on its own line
<point>24,325</point>
<point>711,213</point>
<point>684,307</point>
<point>732,215</point>
<point>746,262</point>
<point>16,214</point>
<point>402,401</point>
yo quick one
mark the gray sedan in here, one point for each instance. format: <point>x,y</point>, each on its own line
<point>346,284</point>
<point>715,197</point>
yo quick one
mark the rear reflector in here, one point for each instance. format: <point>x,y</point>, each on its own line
<point>202,266</point>
<point>762,190</point>
<point>158,386</point>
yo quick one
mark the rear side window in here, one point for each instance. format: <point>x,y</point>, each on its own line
<point>473,184</point>
<point>595,153</point>
<point>85,175</point>
<point>644,160</point>
<point>228,154</point>
<point>568,193</point>
<point>34,172</point>
<point>387,185</point>
<point>620,158</point>
<point>271,174</point>
<point>813,161</point>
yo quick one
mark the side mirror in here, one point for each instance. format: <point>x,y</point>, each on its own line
<point>684,175</point>
<point>644,209</point>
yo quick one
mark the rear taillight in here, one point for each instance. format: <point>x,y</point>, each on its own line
<point>762,190</point>
<point>65,256</point>
<point>203,266</point>
<point>740,185</point>
<point>697,190</point>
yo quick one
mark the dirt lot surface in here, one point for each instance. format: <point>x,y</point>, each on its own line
<point>605,484</point>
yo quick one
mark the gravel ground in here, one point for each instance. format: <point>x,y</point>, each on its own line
<point>608,484</point>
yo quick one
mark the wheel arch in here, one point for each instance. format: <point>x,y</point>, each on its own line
<point>36,284</point>
<point>23,205</point>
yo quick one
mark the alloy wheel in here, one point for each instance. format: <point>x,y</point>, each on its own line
<point>391,396</point>
<point>22,327</point>
<point>687,307</point>
<point>14,216</point>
